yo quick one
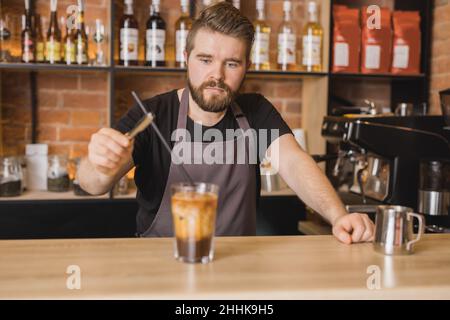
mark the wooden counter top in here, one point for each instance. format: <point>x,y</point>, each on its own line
<point>299,267</point>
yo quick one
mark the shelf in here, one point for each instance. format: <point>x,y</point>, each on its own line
<point>51,67</point>
<point>38,196</point>
<point>50,196</point>
<point>143,69</point>
<point>284,74</point>
<point>146,69</point>
<point>287,192</point>
<point>276,73</point>
<point>378,76</point>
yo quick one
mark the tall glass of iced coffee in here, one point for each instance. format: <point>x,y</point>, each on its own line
<point>194,218</point>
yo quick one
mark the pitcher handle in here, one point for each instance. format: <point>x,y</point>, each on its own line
<point>419,231</point>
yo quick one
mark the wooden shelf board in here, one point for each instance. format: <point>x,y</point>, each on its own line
<point>51,67</point>
<point>380,76</point>
<point>279,193</point>
<point>49,196</point>
<point>146,69</point>
<point>250,73</point>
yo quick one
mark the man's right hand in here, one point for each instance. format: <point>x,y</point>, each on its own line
<point>109,151</point>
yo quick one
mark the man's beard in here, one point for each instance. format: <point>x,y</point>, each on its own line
<point>216,103</point>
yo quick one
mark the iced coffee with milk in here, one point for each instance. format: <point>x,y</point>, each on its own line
<point>194,210</point>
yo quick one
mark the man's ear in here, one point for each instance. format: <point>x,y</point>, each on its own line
<point>185,56</point>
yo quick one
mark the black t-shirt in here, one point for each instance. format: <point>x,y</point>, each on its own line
<point>152,160</point>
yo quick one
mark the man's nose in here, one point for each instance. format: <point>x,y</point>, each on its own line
<point>217,73</point>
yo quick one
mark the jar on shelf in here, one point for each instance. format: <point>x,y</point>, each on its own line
<point>23,166</point>
<point>10,177</point>
<point>57,175</point>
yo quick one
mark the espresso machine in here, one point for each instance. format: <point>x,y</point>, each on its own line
<point>380,156</point>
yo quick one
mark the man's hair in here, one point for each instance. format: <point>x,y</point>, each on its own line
<point>224,18</point>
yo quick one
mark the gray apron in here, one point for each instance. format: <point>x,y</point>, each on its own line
<point>236,212</point>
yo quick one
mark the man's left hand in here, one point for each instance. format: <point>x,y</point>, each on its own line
<point>354,227</point>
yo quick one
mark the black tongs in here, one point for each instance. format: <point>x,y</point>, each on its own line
<point>143,123</point>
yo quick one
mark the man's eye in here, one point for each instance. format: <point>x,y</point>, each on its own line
<point>232,65</point>
<point>205,61</point>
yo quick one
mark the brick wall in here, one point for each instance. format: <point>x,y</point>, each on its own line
<point>66,118</point>
<point>440,62</point>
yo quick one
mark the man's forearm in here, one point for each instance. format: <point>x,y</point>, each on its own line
<point>93,181</point>
<point>314,188</point>
<point>308,181</point>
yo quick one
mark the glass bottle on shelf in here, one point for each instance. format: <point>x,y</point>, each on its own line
<point>287,41</point>
<point>68,44</point>
<point>182,27</point>
<point>10,177</point>
<point>100,42</point>
<point>53,45</point>
<point>312,41</point>
<point>261,45</point>
<point>90,29</point>
<point>28,36</point>
<point>155,54</point>
<point>129,36</point>
<point>80,37</point>
<point>40,44</point>
<point>5,37</point>
<point>57,174</point>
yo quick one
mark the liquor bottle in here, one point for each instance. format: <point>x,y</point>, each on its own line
<point>182,27</point>
<point>80,38</point>
<point>40,43</point>
<point>155,39</point>
<point>100,41</point>
<point>312,40</point>
<point>28,37</point>
<point>287,42</point>
<point>261,46</point>
<point>5,37</point>
<point>129,36</point>
<point>53,47</point>
<point>68,47</point>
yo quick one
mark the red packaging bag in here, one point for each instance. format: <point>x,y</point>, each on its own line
<point>406,43</point>
<point>346,39</point>
<point>376,43</point>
